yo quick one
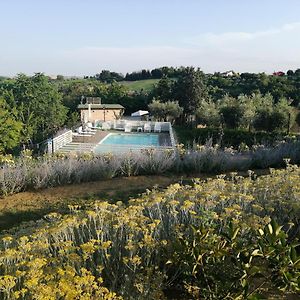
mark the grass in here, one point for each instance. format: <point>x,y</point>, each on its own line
<point>146,85</point>
<point>33,205</point>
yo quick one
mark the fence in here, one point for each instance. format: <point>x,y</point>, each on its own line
<point>59,141</point>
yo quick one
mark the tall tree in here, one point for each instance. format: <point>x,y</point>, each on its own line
<point>190,89</point>
<point>164,89</point>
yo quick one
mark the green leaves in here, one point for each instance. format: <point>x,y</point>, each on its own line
<point>10,127</point>
<point>38,106</point>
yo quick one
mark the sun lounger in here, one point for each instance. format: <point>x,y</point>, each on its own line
<point>86,133</point>
<point>157,127</point>
<point>147,127</point>
<point>106,126</point>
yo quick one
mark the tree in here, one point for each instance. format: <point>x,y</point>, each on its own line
<point>164,89</point>
<point>172,111</point>
<point>156,73</point>
<point>231,112</point>
<point>271,116</point>
<point>60,77</point>
<point>108,77</point>
<point>189,90</point>
<point>10,128</point>
<point>39,106</point>
<point>165,111</point>
<point>208,113</point>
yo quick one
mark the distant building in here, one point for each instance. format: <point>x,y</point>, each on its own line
<point>228,73</point>
<point>93,110</point>
<point>279,73</point>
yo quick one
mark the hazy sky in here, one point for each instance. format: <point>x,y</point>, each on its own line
<point>82,37</point>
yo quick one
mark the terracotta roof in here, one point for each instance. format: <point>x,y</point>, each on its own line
<point>101,106</point>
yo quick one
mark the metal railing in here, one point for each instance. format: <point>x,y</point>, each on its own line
<point>60,141</point>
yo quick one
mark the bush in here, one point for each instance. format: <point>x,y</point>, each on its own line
<point>26,173</point>
<point>227,137</point>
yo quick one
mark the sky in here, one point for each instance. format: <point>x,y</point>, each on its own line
<point>83,37</point>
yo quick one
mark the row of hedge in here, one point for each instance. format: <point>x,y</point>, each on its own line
<point>228,137</point>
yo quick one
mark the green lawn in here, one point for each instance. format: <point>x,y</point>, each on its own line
<point>146,85</point>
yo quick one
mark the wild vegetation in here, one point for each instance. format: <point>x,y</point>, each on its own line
<point>215,239</point>
<point>27,173</point>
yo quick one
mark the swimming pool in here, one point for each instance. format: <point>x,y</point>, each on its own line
<point>139,139</point>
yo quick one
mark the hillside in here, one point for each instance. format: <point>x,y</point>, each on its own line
<point>145,85</point>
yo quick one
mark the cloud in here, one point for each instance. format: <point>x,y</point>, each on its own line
<point>261,51</point>
<point>240,37</point>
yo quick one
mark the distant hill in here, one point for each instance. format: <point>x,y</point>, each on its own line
<point>145,85</point>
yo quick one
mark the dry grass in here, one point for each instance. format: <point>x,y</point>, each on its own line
<point>32,205</point>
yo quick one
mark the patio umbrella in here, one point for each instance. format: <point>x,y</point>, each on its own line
<point>140,113</point>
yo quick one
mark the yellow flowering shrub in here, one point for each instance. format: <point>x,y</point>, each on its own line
<point>211,235</point>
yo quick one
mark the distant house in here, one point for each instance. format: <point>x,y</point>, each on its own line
<point>228,73</point>
<point>279,73</point>
<point>93,110</point>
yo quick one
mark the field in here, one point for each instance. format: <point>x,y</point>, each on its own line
<point>178,243</point>
<point>145,85</point>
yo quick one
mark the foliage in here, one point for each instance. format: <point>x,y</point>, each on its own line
<point>190,90</point>
<point>10,128</point>
<point>164,89</point>
<point>165,111</point>
<point>271,116</point>
<point>215,239</point>
<point>208,113</point>
<point>229,137</point>
<point>256,111</point>
<point>25,172</point>
<point>38,104</point>
<point>109,77</point>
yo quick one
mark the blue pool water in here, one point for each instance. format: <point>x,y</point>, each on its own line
<point>140,139</point>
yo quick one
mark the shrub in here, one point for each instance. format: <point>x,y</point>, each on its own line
<point>27,173</point>
<point>212,239</point>
<point>228,137</point>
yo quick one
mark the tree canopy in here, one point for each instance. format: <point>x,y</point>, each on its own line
<point>10,127</point>
<point>38,104</point>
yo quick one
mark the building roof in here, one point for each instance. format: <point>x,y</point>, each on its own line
<point>101,106</point>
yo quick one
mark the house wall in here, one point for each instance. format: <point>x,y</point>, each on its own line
<point>100,114</point>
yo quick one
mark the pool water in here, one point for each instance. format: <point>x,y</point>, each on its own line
<point>140,139</point>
